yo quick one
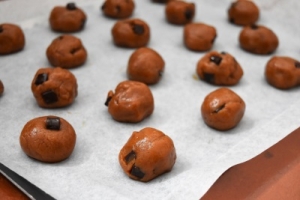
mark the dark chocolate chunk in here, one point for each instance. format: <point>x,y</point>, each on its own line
<point>41,78</point>
<point>138,29</point>
<point>267,154</point>
<point>130,157</point>
<point>297,64</point>
<point>215,59</point>
<point>107,101</point>
<point>52,123</point>
<point>135,171</point>
<point>189,14</point>
<point>1,29</point>
<point>254,26</point>
<point>210,78</point>
<point>219,108</point>
<point>49,97</point>
<point>118,8</point>
<point>71,6</point>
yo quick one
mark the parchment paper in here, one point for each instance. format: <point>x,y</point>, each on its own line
<point>93,171</point>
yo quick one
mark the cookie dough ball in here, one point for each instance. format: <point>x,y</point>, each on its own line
<point>1,88</point>
<point>147,154</point>
<point>48,139</point>
<point>145,65</point>
<point>258,39</point>
<point>67,18</point>
<point>222,109</point>
<point>219,69</point>
<point>199,36</point>
<point>118,8</point>
<point>66,51</point>
<point>12,39</point>
<point>243,12</point>
<point>131,33</point>
<point>131,102</point>
<point>180,12</point>
<point>54,87</point>
<point>283,72</point>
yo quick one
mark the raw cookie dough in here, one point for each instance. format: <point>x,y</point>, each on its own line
<point>8,191</point>
<point>118,8</point>
<point>1,88</point>
<point>131,33</point>
<point>54,87</point>
<point>48,139</point>
<point>258,39</point>
<point>222,109</point>
<point>66,51</point>
<point>180,12</point>
<point>243,12</point>
<point>132,102</point>
<point>283,72</point>
<point>219,69</point>
<point>147,154</point>
<point>67,18</point>
<point>12,39</point>
<point>145,65</point>
<point>199,36</point>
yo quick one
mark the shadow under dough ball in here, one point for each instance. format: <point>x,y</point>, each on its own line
<point>180,12</point>
<point>147,154</point>
<point>132,102</point>
<point>118,8</point>
<point>243,12</point>
<point>131,33</point>
<point>1,88</point>
<point>12,39</point>
<point>283,72</point>
<point>54,87</point>
<point>219,69</point>
<point>48,139</point>
<point>66,51</point>
<point>222,109</point>
<point>199,36</point>
<point>67,18</point>
<point>145,65</point>
<point>258,39</point>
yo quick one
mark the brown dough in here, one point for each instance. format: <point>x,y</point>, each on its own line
<point>222,109</point>
<point>243,12</point>
<point>9,191</point>
<point>66,51</point>
<point>258,39</point>
<point>132,102</point>
<point>219,69</point>
<point>54,87</point>
<point>180,12</point>
<point>67,18</point>
<point>147,154</point>
<point>199,36</point>
<point>48,139</point>
<point>283,72</point>
<point>1,88</point>
<point>12,38</point>
<point>118,8</point>
<point>131,33</point>
<point>145,65</point>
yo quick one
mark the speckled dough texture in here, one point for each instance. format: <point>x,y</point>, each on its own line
<point>145,65</point>
<point>222,109</point>
<point>66,51</point>
<point>147,154</point>
<point>54,87</point>
<point>118,8</point>
<point>283,72</point>
<point>12,38</point>
<point>180,12</point>
<point>243,12</point>
<point>67,18</point>
<point>45,143</point>
<point>219,69</point>
<point>132,101</point>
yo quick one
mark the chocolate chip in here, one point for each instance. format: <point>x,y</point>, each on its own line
<point>135,171</point>
<point>138,29</point>
<point>297,64</point>
<point>49,97</point>
<point>41,78</point>
<point>1,29</point>
<point>210,78</point>
<point>118,8</point>
<point>215,59</point>
<point>52,123</point>
<point>107,101</point>
<point>254,26</point>
<point>268,154</point>
<point>130,157</point>
<point>71,6</point>
<point>219,108</point>
<point>189,14</point>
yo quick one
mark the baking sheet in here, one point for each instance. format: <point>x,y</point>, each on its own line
<point>93,171</point>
